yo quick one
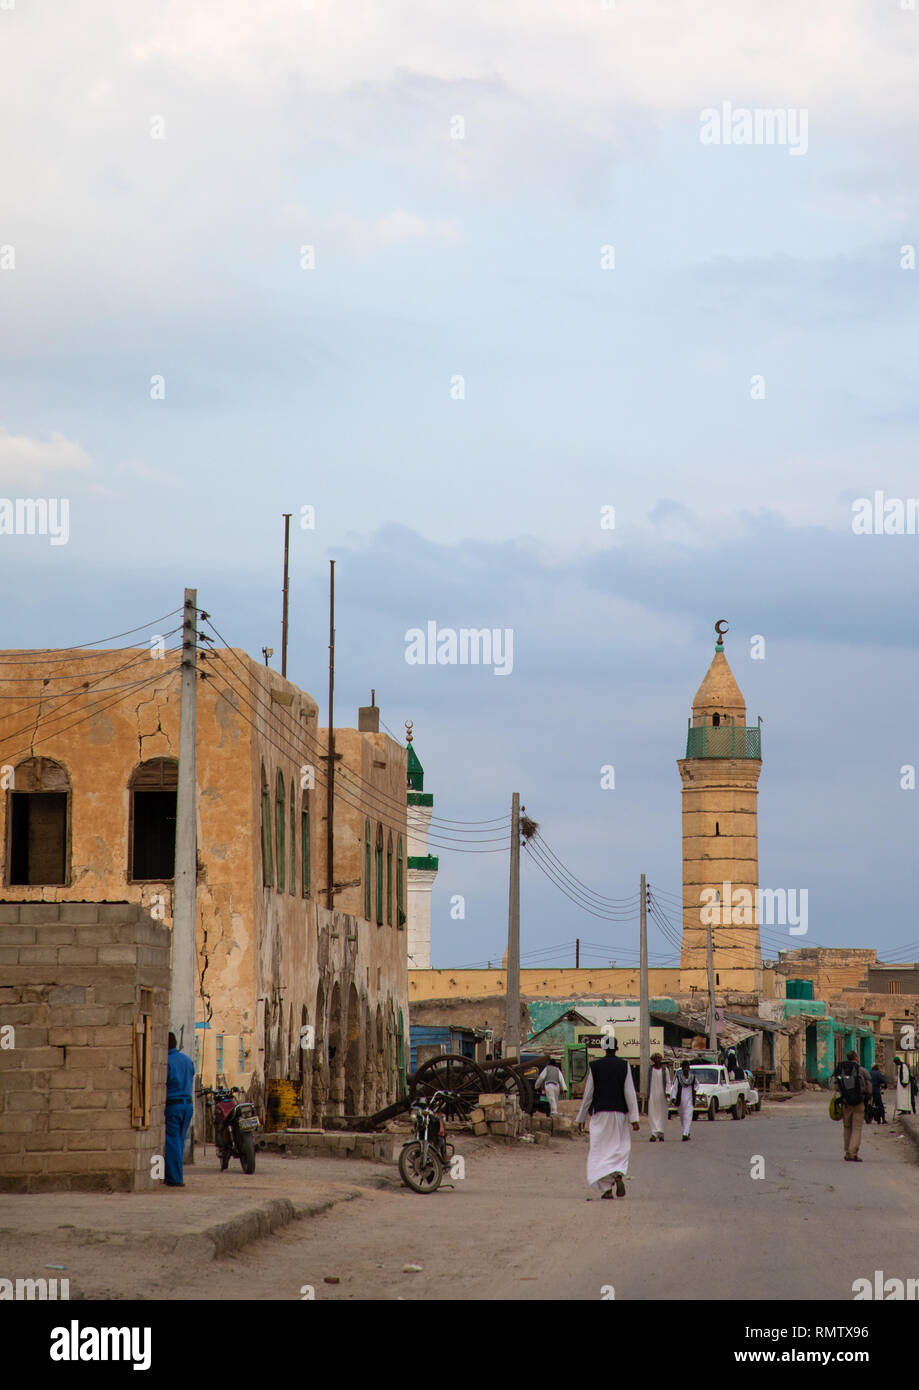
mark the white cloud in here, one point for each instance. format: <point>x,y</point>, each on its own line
<point>30,463</point>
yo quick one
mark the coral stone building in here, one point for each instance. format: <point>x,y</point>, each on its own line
<point>302,982</point>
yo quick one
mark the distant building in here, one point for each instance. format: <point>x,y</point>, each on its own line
<point>422,867</point>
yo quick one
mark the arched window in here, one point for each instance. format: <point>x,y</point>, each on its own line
<point>389,879</point>
<point>292,881</point>
<point>379,872</point>
<point>38,814</point>
<point>367,893</point>
<point>305,855</point>
<point>400,885</point>
<point>716,720</point>
<point>152,837</point>
<point>280,811</point>
<point>267,854</point>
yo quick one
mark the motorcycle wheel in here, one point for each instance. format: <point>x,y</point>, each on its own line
<point>245,1147</point>
<point>419,1176</point>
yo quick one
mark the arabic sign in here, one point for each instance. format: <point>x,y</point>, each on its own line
<point>629,1040</point>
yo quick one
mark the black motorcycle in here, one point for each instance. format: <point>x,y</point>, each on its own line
<point>424,1157</point>
<point>235,1124</point>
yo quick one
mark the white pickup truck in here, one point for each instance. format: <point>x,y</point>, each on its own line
<point>715,1092</point>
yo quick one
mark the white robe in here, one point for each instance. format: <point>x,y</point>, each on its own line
<point>658,1089</point>
<point>683,1097</point>
<point>610,1135</point>
<point>904,1095</point>
<point>551,1089</point>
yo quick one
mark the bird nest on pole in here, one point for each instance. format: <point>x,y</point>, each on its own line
<point>528,828</point>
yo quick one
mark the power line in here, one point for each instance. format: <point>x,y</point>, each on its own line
<point>99,643</point>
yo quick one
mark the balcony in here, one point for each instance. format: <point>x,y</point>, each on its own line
<point>724,741</point>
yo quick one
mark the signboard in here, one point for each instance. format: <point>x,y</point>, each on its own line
<point>629,1040</point>
<point>611,1013</point>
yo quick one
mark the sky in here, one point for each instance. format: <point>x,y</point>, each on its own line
<point>469,283</point>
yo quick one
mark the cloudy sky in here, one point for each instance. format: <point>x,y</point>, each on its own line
<point>459,278</point>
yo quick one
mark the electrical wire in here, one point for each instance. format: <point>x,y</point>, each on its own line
<point>82,646</point>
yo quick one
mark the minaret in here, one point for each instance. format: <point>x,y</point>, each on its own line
<point>719,774</point>
<point>422,867</point>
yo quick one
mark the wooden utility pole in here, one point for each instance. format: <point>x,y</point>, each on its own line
<point>286,593</point>
<point>644,1053</point>
<point>512,1015</point>
<point>184,911</point>
<point>330,778</point>
<point>577,953</point>
<point>712,1020</point>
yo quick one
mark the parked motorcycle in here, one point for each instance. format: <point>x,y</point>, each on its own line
<point>235,1125</point>
<point>424,1157</point>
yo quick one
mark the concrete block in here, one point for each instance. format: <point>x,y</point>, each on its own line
<point>79,912</point>
<point>9,912</point>
<point>16,1124</point>
<point>92,1059</point>
<point>476,1116</point>
<point>83,1100</point>
<point>19,1013</point>
<point>68,994</point>
<point>499,1127</point>
<point>10,1144</point>
<point>98,934</point>
<point>54,936</point>
<point>35,914</point>
<point>73,1162</point>
<point>44,1143</point>
<point>92,1015</point>
<point>39,955</point>
<point>110,1036</point>
<point>10,1059</point>
<point>118,955</point>
<point>480,1127</point>
<point>81,1141</point>
<point>70,1037</point>
<point>67,1080</point>
<point>9,995</point>
<point>114,991</point>
<point>9,955</point>
<point>17,1164</point>
<point>118,912</point>
<point>22,1101</point>
<point>15,935</point>
<point>77,955</point>
<point>41,1058</point>
<point>31,1035</point>
<point>18,1184</point>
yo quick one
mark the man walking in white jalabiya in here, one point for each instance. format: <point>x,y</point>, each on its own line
<point>550,1080</point>
<point>611,1103</point>
<point>658,1095</point>
<point>903,1103</point>
<point>684,1094</point>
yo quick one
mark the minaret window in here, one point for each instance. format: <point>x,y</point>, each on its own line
<point>717,831</point>
<point>716,720</point>
<point>389,879</point>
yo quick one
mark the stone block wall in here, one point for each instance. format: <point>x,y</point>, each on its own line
<point>71,976</point>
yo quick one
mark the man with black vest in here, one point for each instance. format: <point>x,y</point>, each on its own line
<point>611,1103</point>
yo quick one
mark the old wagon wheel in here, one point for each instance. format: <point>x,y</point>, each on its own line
<point>460,1077</point>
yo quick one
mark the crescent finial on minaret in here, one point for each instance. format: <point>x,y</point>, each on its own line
<point>721,628</point>
<point>409,725</point>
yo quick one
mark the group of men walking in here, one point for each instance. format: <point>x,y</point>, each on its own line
<point>610,1107</point>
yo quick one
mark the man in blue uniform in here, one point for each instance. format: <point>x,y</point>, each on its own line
<point>180,1079</point>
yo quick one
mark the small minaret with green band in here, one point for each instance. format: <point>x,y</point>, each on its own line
<point>422,867</point>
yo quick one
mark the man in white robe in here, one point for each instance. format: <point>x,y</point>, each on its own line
<point>658,1095</point>
<point>684,1094</point>
<point>551,1080</point>
<point>904,1101</point>
<point>611,1103</point>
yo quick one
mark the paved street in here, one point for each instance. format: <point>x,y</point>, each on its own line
<point>694,1223</point>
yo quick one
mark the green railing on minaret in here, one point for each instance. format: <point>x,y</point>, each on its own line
<point>724,741</point>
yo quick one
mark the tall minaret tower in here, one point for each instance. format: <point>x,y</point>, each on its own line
<point>719,773</point>
<point>422,867</point>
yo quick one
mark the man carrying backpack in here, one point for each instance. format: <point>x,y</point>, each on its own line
<point>854,1086</point>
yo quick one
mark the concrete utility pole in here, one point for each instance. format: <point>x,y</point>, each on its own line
<point>184,912</point>
<point>286,593</point>
<point>512,1015</point>
<point>712,1019</point>
<point>330,777</point>
<point>644,1065</point>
